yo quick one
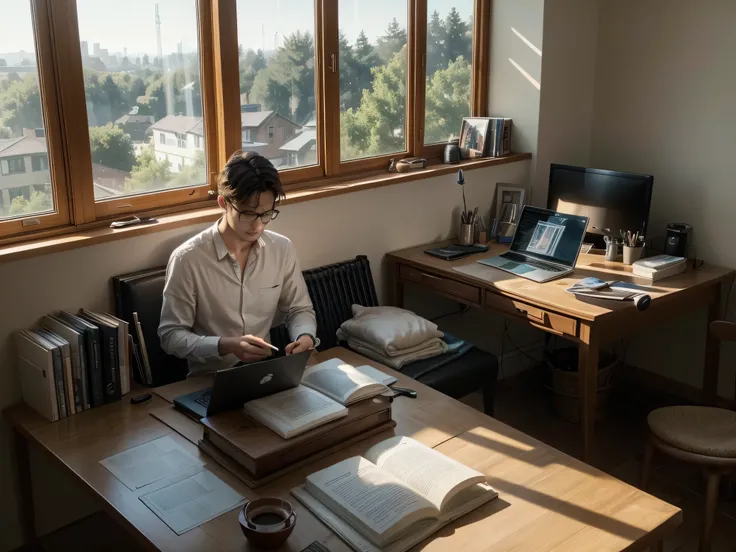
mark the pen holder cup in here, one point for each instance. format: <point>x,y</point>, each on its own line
<point>631,254</point>
<point>267,522</point>
<point>466,234</point>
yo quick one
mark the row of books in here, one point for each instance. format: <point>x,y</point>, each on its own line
<point>499,131</point>
<point>72,362</point>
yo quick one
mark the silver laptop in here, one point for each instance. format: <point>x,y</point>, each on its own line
<point>546,245</point>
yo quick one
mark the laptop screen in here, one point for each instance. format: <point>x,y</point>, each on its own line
<point>549,235</point>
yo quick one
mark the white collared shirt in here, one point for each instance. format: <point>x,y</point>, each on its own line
<point>205,299</point>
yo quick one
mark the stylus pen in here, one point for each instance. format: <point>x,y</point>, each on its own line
<point>261,344</point>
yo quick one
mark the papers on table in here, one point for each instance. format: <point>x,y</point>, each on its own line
<point>150,462</point>
<point>192,501</point>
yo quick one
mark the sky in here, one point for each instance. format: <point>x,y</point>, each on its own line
<point>130,24</point>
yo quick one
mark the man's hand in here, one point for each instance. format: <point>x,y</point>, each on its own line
<point>304,343</point>
<point>247,348</point>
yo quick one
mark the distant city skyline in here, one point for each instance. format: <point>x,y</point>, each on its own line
<point>131,24</point>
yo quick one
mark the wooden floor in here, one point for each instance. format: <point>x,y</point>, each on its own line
<point>524,403</point>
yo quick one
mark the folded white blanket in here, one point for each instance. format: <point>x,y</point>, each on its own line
<point>434,347</point>
<point>390,331</point>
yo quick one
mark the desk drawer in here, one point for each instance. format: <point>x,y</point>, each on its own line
<point>444,285</point>
<point>549,321</point>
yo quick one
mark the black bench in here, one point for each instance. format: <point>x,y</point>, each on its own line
<point>333,289</point>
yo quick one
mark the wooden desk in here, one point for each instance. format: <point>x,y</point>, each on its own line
<point>548,307</point>
<point>547,500</point>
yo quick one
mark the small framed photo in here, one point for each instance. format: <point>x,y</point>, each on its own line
<point>474,137</point>
<point>509,203</point>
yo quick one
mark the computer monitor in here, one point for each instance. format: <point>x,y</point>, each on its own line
<point>611,200</point>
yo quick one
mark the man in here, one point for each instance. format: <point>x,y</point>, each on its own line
<point>225,285</point>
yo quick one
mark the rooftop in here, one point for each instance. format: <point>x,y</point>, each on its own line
<point>25,145</point>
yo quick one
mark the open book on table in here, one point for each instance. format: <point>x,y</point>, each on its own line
<point>344,383</point>
<point>326,389</point>
<point>395,496</point>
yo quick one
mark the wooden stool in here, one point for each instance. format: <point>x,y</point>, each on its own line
<point>700,435</point>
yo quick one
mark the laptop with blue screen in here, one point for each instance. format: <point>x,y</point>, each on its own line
<point>545,246</point>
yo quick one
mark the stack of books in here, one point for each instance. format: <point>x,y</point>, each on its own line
<point>335,406</point>
<point>658,267</point>
<point>72,362</point>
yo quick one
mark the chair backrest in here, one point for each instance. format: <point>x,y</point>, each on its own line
<point>333,289</point>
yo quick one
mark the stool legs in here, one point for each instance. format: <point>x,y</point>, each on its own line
<point>711,502</point>
<point>646,466</point>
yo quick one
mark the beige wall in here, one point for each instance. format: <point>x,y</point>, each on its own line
<point>664,105</point>
<point>327,230</point>
<point>543,76</point>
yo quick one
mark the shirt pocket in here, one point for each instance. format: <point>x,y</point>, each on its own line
<point>268,299</point>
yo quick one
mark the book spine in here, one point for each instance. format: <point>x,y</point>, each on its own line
<point>82,364</point>
<point>60,388</point>
<point>76,381</point>
<point>95,369</point>
<point>111,368</point>
<point>230,450</point>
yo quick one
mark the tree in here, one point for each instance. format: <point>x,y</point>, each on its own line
<point>459,40</point>
<point>366,58</point>
<point>287,84</point>
<point>349,91</point>
<point>3,63</point>
<point>378,125</point>
<point>436,36</point>
<point>190,174</point>
<point>38,203</point>
<point>251,63</point>
<point>392,41</point>
<point>26,61</point>
<point>148,173</point>
<point>447,101</point>
<point>111,147</point>
<point>20,104</point>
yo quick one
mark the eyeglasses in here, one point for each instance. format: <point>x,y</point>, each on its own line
<point>249,216</point>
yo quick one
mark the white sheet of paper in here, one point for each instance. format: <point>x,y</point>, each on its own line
<point>149,462</point>
<point>376,374</point>
<point>192,501</point>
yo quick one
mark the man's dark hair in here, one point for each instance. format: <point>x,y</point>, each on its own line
<point>246,174</point>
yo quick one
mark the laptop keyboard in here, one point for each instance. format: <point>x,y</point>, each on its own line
<point>204,400</point>
<point>531,262</point>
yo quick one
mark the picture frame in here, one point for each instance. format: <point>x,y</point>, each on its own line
<point>509,201</point>
<point>474,137</point>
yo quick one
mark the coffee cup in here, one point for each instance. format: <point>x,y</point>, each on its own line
<point>267,522</point>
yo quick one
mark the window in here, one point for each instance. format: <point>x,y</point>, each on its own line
<point>449,68</point>
<point>165,84</point>
<point>23,114</point>
<point>167,90</point>
<point>373,78</point>
<point>277,70</point>
<point>39,163</point>
<point>14,165</point>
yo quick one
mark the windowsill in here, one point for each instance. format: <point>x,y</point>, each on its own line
<point>76,237</point>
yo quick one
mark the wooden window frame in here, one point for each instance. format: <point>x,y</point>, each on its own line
<point>47,67</point>
<point>86,208</point>
<point>65,111</point>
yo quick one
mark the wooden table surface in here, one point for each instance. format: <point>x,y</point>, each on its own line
<point>547,499</point>
<point>552,294</point>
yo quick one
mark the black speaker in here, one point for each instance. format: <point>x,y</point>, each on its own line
<point>678,235</point>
